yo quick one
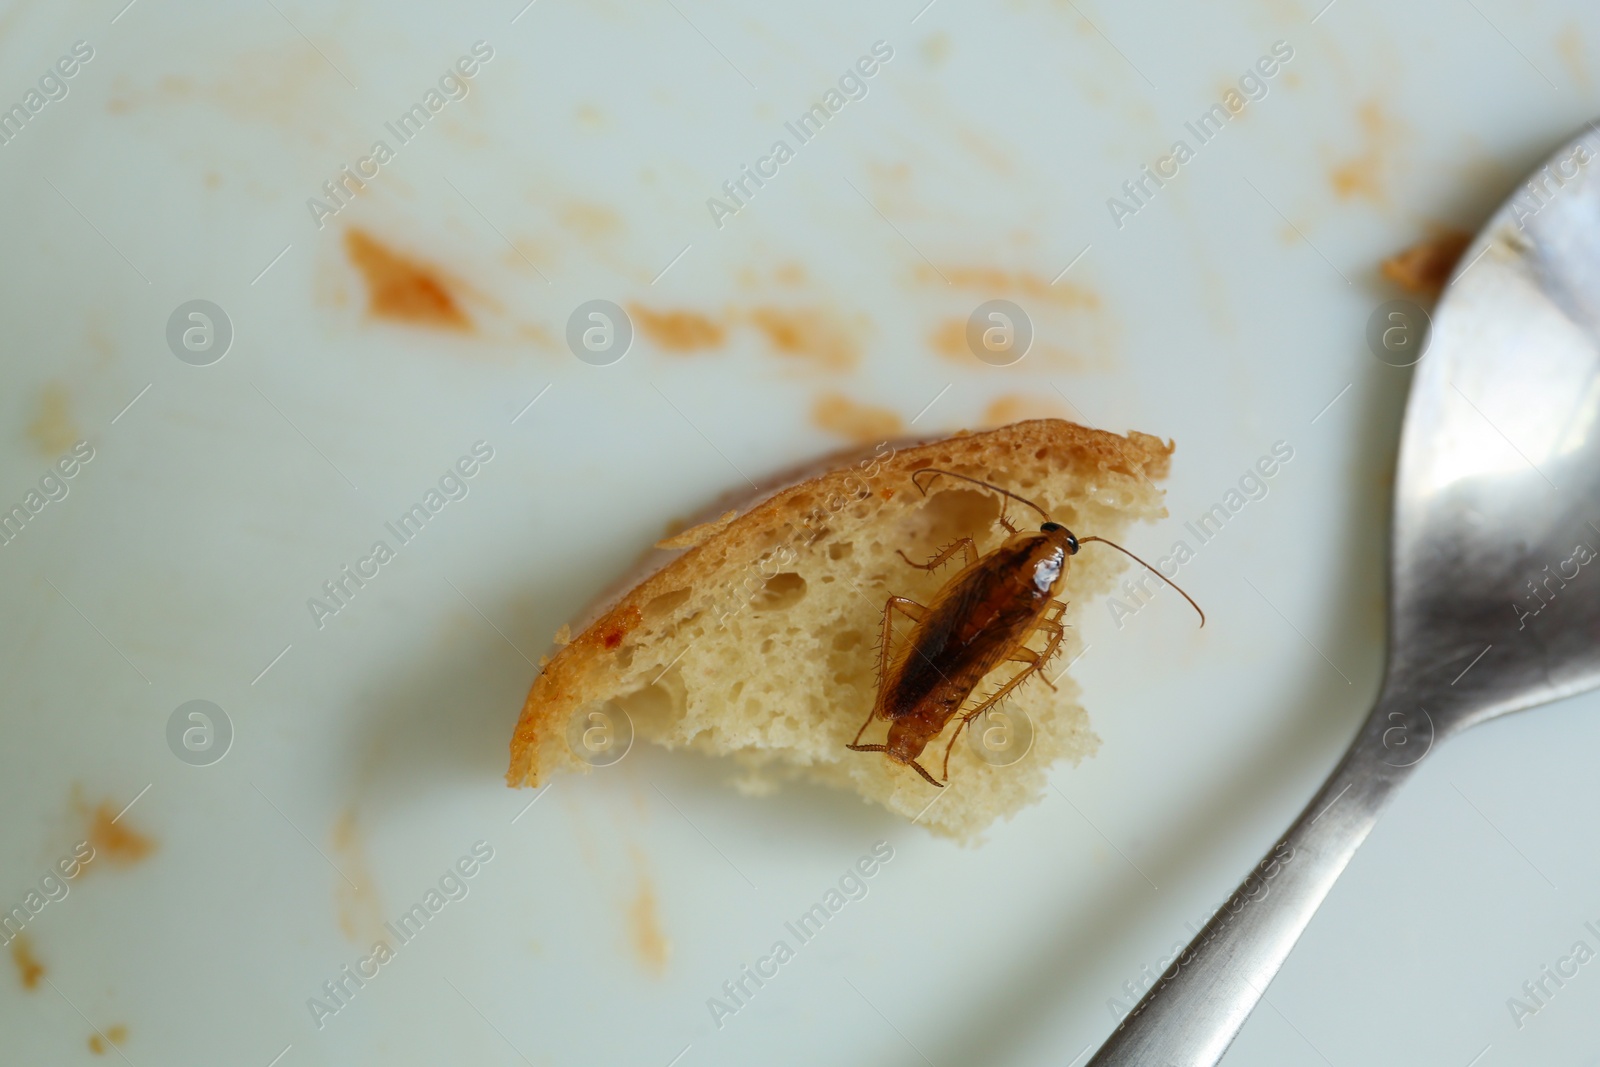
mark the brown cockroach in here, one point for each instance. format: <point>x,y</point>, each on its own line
<point>981,618</point>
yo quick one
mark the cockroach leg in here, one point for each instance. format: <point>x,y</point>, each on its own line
<point>911,610</point>
<point>1035,666</point>
<point>1028,655</point>
<point>857,746</point>
<point>963,545</point>
<point>1052,645</point>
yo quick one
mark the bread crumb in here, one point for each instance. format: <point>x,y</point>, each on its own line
<point>563,635</point>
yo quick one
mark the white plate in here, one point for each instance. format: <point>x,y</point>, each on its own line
<point>1227,312</point>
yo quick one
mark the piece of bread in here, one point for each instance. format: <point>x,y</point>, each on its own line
<point>758,637</point>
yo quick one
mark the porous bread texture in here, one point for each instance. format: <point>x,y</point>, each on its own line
<point>760,640</point>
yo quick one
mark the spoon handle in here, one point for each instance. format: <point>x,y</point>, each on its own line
<point>1192,1014</point>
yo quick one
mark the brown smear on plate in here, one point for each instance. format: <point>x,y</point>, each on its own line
<point>590,221</point>
<point>29,969</point>
<point>996,281</point>
<point>359,908</point>
<point>646,939</point>
<point>112,837</point>
<point>949,339</point>
<point>116,1034</point>
<point>788,274</point>
<point>402,289</point>
<point>1362,175</point>
<point>52,431</point>
<point>1425,267</point>
<point>281,85</point>
<point>650,945</point>
<point>1007,408</point>
<point>810,335</point>
<point>678,330</point>
<point>854,421</point>
<point>1569,46</point>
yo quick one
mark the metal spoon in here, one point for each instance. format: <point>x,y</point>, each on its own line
<point>1494,594</point>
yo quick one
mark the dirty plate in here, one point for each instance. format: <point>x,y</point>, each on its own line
<point>352,348</point>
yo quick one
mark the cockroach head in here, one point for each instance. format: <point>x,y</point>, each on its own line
<point>1071,538</point>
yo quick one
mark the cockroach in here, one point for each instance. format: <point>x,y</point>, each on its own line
<point>981,618</point>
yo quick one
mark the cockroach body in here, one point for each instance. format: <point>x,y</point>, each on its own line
<point>979,620</point>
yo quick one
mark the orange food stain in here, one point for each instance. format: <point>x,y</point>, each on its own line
<point>650,945</point>
<point>644,922</point>
<point>113,838</point>
<point>29,969</point>
<point>1015,407</point>
<point>359,909</point>
<point>1236,103</point>
<point>854,421</point>
<point>590,220</point>
<point>678,331</point>
<point>1425,267</point>
<point>810,334</point>
<point>536,334</point>
<point>995,281</point>
<point>117,1035</point>
<point>989,151</point>
<point>791,275</point>
<point>52,431</point>
<point>279,84</point>
<point>1569,46</point>
<point>949,339</point>
<point>403,289</point>
<point>101,342</point>
<point>1362,175</point>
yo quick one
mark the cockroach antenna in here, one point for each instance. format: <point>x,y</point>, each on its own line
<point>1152,570</point>
<point>975,481</point>
<point>936,472</point>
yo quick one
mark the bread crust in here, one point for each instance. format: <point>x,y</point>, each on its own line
<point>538,742</point>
